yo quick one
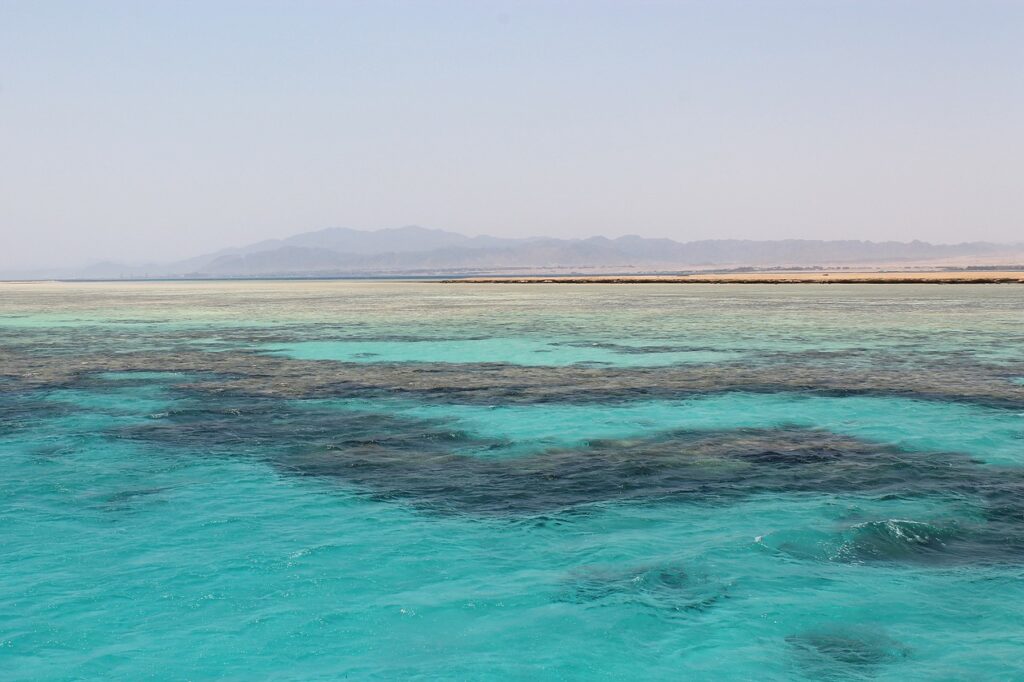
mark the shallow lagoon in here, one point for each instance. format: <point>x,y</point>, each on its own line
<point>156,525</point>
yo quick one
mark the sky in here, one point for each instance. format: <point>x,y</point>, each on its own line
<point>149,131</point>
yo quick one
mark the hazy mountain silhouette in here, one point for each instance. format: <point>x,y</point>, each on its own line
<point>412,249</point>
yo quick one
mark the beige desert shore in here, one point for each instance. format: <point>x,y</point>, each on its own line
<point>808,277</point>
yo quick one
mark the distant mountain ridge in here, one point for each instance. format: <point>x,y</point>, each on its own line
<point>340,251</point>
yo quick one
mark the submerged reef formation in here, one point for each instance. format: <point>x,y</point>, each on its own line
<point>261,374</point>
<point>774,478</point>
<point>848,652</point>
<point>419,462</point>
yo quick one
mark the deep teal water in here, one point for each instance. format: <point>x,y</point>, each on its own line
<point>382,480</point>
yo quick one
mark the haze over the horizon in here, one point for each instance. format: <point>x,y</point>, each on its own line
<point>159,130</point>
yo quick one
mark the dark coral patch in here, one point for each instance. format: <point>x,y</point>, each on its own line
<point>431,466</point>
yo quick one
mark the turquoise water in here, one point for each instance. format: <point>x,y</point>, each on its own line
<point>330,480</point>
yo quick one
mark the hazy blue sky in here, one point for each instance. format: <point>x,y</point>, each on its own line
<point>134,130</point>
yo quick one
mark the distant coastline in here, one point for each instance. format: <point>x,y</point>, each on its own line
<point>966,276</point>
<point>823,277</point>
<point>422,252</point>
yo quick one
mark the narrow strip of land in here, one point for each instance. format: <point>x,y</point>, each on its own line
<point>817,277</point>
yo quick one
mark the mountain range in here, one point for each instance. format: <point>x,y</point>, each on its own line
<point>414,250</point>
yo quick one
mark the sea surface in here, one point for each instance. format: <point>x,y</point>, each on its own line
<point>394,480</point>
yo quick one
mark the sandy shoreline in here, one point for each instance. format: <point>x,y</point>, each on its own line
<point>820,277</point>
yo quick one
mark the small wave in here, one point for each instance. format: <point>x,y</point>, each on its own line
<point>893,540</point>
<point>873,541</point>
